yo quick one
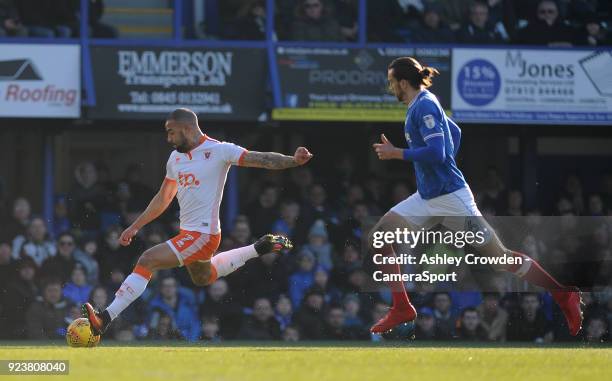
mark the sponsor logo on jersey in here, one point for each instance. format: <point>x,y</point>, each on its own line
<point>187,179</point>
<point>207,154</point>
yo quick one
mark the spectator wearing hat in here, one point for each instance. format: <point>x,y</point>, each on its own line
<point>318,244</point>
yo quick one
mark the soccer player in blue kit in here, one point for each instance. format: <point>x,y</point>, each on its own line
<point>443,196</point>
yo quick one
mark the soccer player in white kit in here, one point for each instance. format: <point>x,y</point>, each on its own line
<point>195,173</point>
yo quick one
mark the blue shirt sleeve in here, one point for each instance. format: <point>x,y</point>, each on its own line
<point>429,120</point>
<point>455,135</point>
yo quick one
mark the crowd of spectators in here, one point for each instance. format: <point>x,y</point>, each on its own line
<point>480,22</point>
<point>321,290</point>
<point>48,19</point>
<point>526,22</point>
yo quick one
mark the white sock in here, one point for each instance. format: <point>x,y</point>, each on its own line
<point>229,261</point>
<point>132,287</point>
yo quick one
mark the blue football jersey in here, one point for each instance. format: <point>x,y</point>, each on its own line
<point>426,120</point>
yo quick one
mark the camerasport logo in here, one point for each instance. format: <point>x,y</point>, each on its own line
<point>27,85</point>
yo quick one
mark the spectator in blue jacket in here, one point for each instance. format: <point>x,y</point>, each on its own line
<point>77,290</point>
<point>318,244</point>
<point>283,312</point>
<point>303,278</point>
<point>180,304</point>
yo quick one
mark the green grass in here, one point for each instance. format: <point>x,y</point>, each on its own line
<point>319,363</point>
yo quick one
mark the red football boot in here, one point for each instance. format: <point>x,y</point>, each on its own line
<point>570,302</point>
<point>393,318</point>
<point>95,320</point>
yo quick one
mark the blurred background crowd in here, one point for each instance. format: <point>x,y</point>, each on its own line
<point>527,22</point>
<point>321,290</point>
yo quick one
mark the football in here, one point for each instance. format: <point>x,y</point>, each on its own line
<point>79,334</point>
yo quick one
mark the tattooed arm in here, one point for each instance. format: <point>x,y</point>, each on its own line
<point>274,160</point>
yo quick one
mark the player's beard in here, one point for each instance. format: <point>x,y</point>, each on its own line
<point>183,146</point>
<point>399,95</point>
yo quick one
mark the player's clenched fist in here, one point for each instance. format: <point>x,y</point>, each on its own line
<point>127,235</point>
<point>302,156</point>
<point>386,150</point>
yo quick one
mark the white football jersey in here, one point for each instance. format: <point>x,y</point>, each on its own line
<point>200,175</point>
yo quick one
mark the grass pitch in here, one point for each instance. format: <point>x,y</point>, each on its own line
<point>320,363</point>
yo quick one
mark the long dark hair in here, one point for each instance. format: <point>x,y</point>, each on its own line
<point>412,71</point>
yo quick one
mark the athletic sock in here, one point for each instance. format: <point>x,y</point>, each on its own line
<point>532,272</point>
<point>132,287</point>
<point>398,291</point>
<point>229,261</point>
<point>106,319</point>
